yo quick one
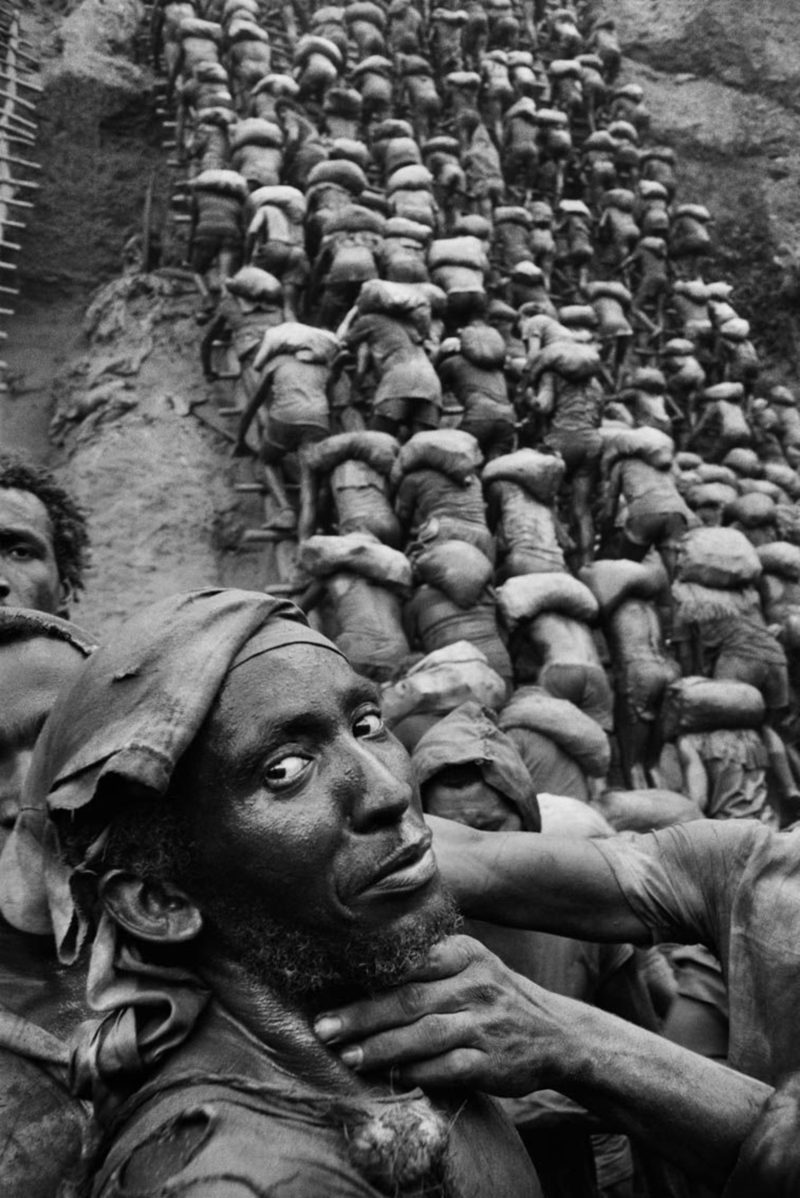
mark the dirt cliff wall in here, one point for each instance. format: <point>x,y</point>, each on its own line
<point>722,83</point>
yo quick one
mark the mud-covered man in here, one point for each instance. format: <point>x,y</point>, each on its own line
<point>254,847</point>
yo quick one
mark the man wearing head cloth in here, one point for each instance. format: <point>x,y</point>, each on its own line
<point>41,1125</point>
<point>240,842</point>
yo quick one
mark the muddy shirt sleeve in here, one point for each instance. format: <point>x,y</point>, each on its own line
<point>682,882</point>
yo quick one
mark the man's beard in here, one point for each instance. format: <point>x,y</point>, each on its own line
<point>301,963</point>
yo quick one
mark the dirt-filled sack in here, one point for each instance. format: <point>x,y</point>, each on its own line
<point>697,704</point>
<point>718,557</point>
<point>650,444</point>
<point>442,681</point>
<point>646,810</point>
<point>613,581</point>
<point>452,451</point>
<point>315,345</point>
<point>378,450</point>
<point>455,567</point>
<point>528,595</point>
<point>541,474</point>
<point>566,725</point>
<point>359,553</point>
<point>712,495</point>
<point>483,346</point>
<point>752,511</point>
<point>404,300</point>
<point>781,558</point>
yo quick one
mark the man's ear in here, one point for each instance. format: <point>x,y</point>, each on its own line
<point>66,595</point>
<point>157,912</point>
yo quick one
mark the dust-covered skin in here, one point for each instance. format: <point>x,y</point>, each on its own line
<point>28,568</point>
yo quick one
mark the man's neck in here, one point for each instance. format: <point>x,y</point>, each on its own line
<point>282,1025</point>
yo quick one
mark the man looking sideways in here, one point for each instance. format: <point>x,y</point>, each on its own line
<point>43,540</point>
<point>231,807</point>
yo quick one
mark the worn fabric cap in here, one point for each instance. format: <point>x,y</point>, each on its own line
<point>134,710</point>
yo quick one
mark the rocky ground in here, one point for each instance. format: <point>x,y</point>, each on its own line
<point>122,385</point>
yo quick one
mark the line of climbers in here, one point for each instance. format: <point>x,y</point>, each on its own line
<point>472,326</point>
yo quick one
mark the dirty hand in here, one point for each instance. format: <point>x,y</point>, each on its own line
<point>769,1161</point>
<point>461,1019</point>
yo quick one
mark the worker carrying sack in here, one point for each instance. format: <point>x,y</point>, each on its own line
<point>566,725</point>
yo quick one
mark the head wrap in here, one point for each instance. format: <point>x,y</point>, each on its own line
<point>470,736</point>
<point>22,898</point>
<point>121,729</point>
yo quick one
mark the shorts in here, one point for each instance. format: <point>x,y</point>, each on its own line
<point>580,449</point>
<point>644,527</point>
<point>285,261</point>
<point>494,434</point>
<point>584,685</point>
<point>408,411</point>
<point>280,437</point>
<point>642,684</point>
<point>205,250</point>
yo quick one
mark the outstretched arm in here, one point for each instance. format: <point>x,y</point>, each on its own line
<point>525,880</point>
<point>465,1019</point>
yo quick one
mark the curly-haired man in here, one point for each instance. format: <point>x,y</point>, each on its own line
<point>44,541</point>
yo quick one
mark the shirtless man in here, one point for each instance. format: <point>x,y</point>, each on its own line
<point>276,856</point>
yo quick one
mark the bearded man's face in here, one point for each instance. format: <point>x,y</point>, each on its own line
<point>311,862</point>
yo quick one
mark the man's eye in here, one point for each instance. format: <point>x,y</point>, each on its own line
<point>285,771</point>
<point>368,725</point>
<point>21,553</point>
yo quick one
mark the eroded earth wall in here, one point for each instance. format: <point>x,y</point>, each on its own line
<point>722,81</point>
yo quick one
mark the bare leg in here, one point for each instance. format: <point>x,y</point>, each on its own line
<point>285,516</point>
<point>307,518</point>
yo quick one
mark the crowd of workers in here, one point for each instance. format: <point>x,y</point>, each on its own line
<point>542,498</point>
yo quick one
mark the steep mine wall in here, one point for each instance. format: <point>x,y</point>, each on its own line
<point>721,80</point>
<point>104,370</point>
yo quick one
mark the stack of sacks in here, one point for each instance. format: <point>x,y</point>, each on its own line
<point>356,468</point>
<point>560,745</point>
<point>521,489</point>
<point>362,611</point>
<point>719,567</point>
